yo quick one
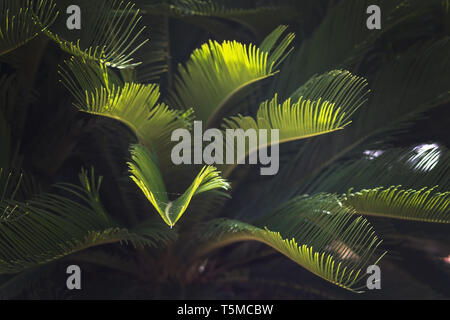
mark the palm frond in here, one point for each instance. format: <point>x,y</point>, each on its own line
<point>110,35</point>
<point>51,226</point>
<point>406,88</point>
<point>136,105</point>
<point>424,205</point>
<point>342,39</point>
<point>299,120</point>
<point>403,90</point>
<point>23,20</point>
<point>145,173</point>
<point>340,87</point>
<point>216,72</point>
<point>294,121</point>
<point>318,234</point>
<point>392,166</point>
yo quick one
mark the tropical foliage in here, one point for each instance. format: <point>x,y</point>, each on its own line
<point>86,118</point>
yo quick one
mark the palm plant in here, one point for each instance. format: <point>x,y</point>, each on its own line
<point>184,231</point>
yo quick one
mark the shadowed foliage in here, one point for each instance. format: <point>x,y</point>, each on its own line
<point>363,148</point>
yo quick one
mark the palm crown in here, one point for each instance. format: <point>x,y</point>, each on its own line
<point>159,223</point>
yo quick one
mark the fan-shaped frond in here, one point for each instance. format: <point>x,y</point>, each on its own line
<point>425,204</point>
<point>110,35</point>
<point>294,121</point>
<point>136,105</point>
<point>299,120</point>
<point>340,87</point>
<point>51,226</point>
<point>321,236</point>
<point>22,20</point>
<point>216,72</point>
<point>145,173</point>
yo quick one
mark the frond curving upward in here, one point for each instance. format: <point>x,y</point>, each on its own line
<point>293,121</point>
<point>145,173</point>
<point>299,120</point>
<point>424,205</point>
<point>323,237</point>
<point>216,72</point>
<point>99,92</point>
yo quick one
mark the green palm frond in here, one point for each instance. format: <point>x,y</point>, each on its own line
<point>216,72</point>
<point>22,20</point>
<point>299,120</point>
<point>83,78</point>
<point>424,205</point>
<point>342,39</point>
<point>324,104</point>
<point>340,87</point>
<point>51,226</point>
<point>294,121</point>
<point>321,236</point>
<point>390,167</point>
<point>136,105</point>
<point>403,89</point>
<point>111,37</point>
<point>145,173</point>
<point>407,88</point>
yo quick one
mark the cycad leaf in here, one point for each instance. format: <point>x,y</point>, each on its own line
<point>22,20</point>
<point>342,39</point>
<point>408,167</point>
<point>403,90</point>
<point>424,205</point>
<point>216,72</point>
<point>52,226</point>
<point>341,87</point>
<point>299,120</point>
<point>110,36</point>
<point>294,121</point>
<point>145,173</point>
<point>136,105</point>
<point>321,236</point>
